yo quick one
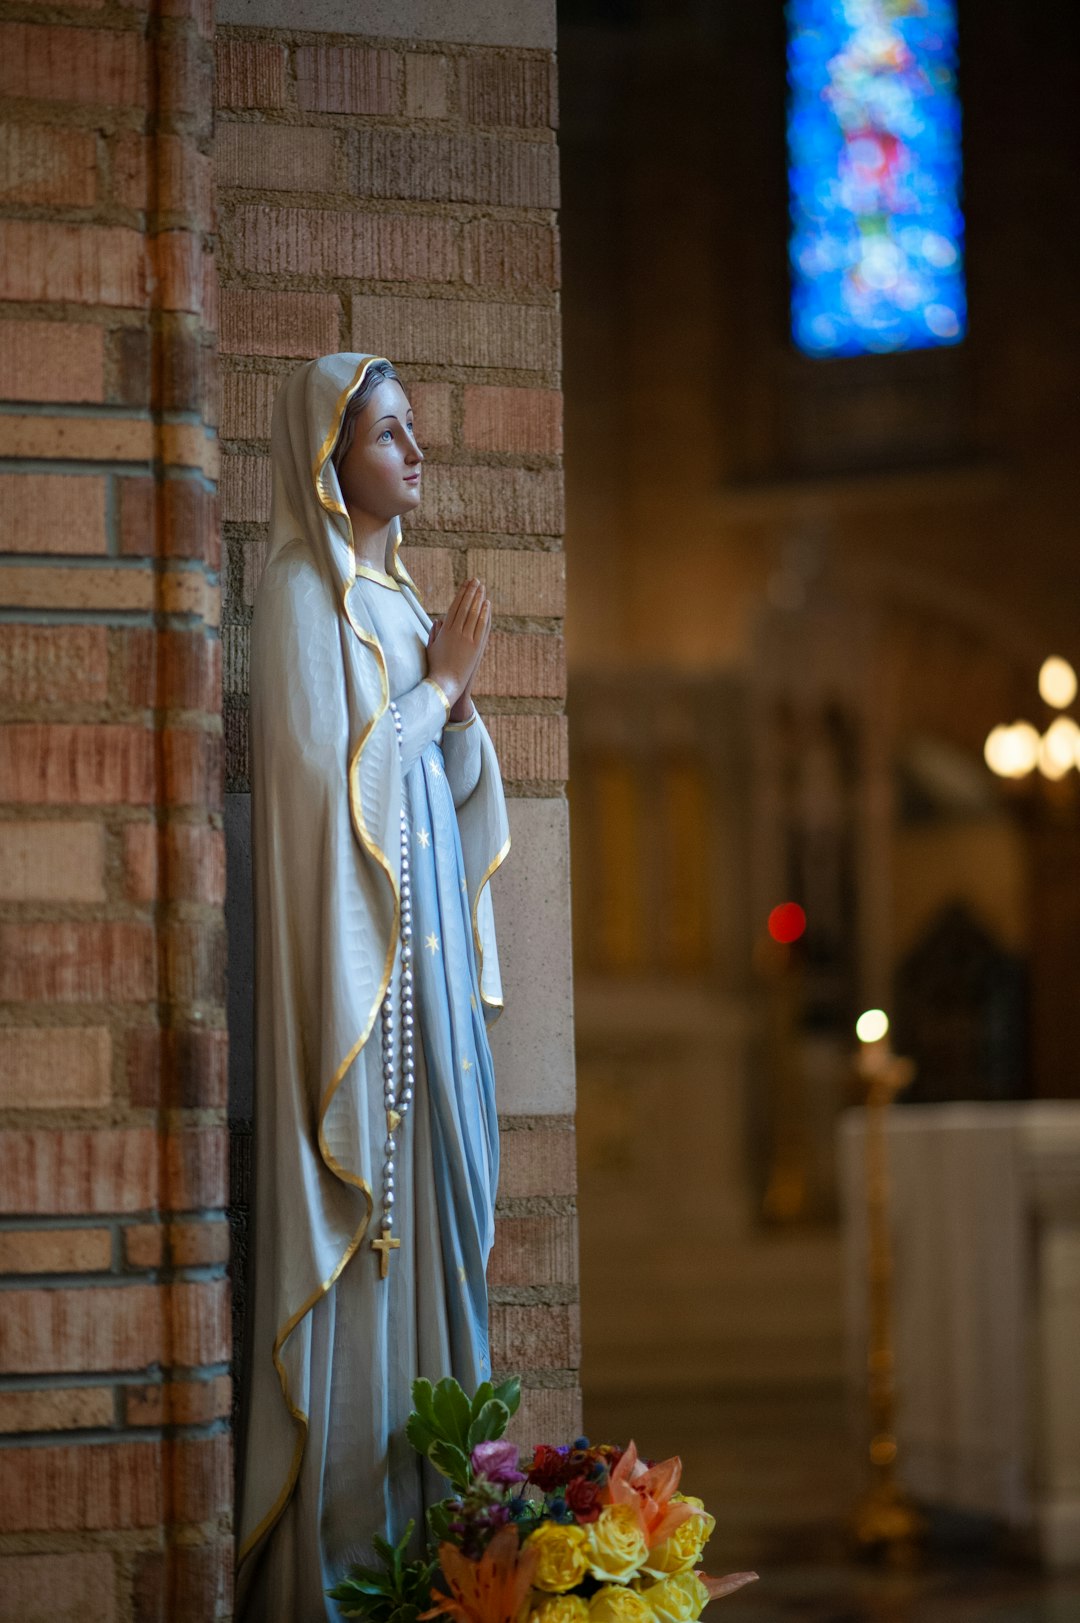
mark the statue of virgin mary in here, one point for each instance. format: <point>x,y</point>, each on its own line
<point>377,823</point>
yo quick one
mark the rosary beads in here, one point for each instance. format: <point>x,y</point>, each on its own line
<point>397,1083</point>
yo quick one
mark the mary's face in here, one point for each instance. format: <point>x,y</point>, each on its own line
<point>380,472</point>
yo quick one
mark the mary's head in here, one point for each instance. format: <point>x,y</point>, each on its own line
<point>376,458</point>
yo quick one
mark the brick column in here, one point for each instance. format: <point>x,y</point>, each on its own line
<point>114,1339</point>
<point>398,196</point>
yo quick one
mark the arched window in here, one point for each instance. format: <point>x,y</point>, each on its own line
<point>874,163</point>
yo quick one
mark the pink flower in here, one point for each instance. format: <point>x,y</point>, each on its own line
<point>497,1462</point>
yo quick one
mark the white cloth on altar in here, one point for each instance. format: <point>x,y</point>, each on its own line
<point>332,1348</point>
<point>962,1290</point>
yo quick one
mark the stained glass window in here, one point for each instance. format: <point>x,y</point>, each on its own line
<point>874,164</point>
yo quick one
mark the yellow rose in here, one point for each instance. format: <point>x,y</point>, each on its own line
<point>558,1609</point>
<point>680,1599</point>
<point>682,1550</point>
<point>617,1546</point>
<point>614,1604</point>
<point>564,1556</point>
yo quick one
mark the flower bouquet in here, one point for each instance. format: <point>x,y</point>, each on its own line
<point>577,1534</point>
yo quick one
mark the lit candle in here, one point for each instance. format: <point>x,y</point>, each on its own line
<point>872,1030</point>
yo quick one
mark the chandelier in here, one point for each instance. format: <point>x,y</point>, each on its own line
<point>1018,750</point>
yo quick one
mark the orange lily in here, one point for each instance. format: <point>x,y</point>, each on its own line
<point>649,1490</point>
<point>728,1585</point>
<point>491,1590</point>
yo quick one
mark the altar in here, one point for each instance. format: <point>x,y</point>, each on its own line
<point>985,1223</point>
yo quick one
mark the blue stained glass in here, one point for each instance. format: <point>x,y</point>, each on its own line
<point>877,231</point>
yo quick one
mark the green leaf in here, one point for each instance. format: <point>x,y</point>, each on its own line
<point>423,1397</point>
<point>489,1424</point>
<point>451,1461</point>
<point>510,1394</point>
<point>483,1394</point>
<point>452,1412</point>
<point>439,1517</point>
<point>420,1432</point>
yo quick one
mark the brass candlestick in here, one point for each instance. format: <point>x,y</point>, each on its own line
<point>885,1518</point>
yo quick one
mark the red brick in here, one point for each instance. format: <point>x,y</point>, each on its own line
<point>77,963</point>
<point>52,862</point>
<point>74,1171</point>
<point>55,1067</point>
<point>508,90</point>
<point>196,1245</point>
<point>58,1409</point>
<point>328,242</point>
<point>531,748</point>
<point>457,168</point>
<point>195,1581</point>
<point>181,182</point>
<point>36,586</point>
<point>50,360</point>
<point>181,1069</point>
<point>535,1337</point>
<point>248,404</point>
<point>80,65</point>
<point>197,1169</point>
<point>188,510</point>
<point>194,958</point>
<point>522,420</point>
<point>144,1245</point>
<point>53,512</point>
<point>539,1160</point>
<point>82,1487</point>
<point>193,857</point>
<point>432,568</point>
<point>525,664</point>
<point>508,254</point>
<point>171,670</point>
<point>520,582</point>
<point>185,75</point>
<point>82,264</point>
<point>53,664</point>
<point>245,489</point>
<point>178,1403</point>
<point>346,79</point>
<point>279,157</point>
<point>534,1251</point>
<point>491,500</point>
<point>55,1251</point>
<point>250,73</point>
<point>193,764</point>
<point>431,403</point>
<point>546,1412</point>
<point>41,164</point>
<point>77,1587</point>
<point>56,1331</point>
<point>202,1479</point>
<point>427,85</point>
<point>179,268</point>
<point>69,437</point>
<point>79,766</point>
<point>45,1332</point>
<point>456,332</point>
<point>297,324</point>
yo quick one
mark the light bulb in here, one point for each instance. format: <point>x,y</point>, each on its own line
<point>1057,682</point>
<point>872,1025</point>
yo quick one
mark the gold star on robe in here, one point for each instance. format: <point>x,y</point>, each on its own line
<point>436,770</point>
<point>431,942</point>
<point>424,837</point>
<point>466,1064</point>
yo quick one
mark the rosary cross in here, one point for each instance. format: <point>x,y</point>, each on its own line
<point>384,1246</point>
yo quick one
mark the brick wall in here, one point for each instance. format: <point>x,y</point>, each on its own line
<point>399,198</point>
<point>114,1334</point>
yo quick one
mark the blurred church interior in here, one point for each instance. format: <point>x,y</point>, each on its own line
<point>807,579</point>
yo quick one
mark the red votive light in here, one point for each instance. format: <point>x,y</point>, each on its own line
<point>787,922</point>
